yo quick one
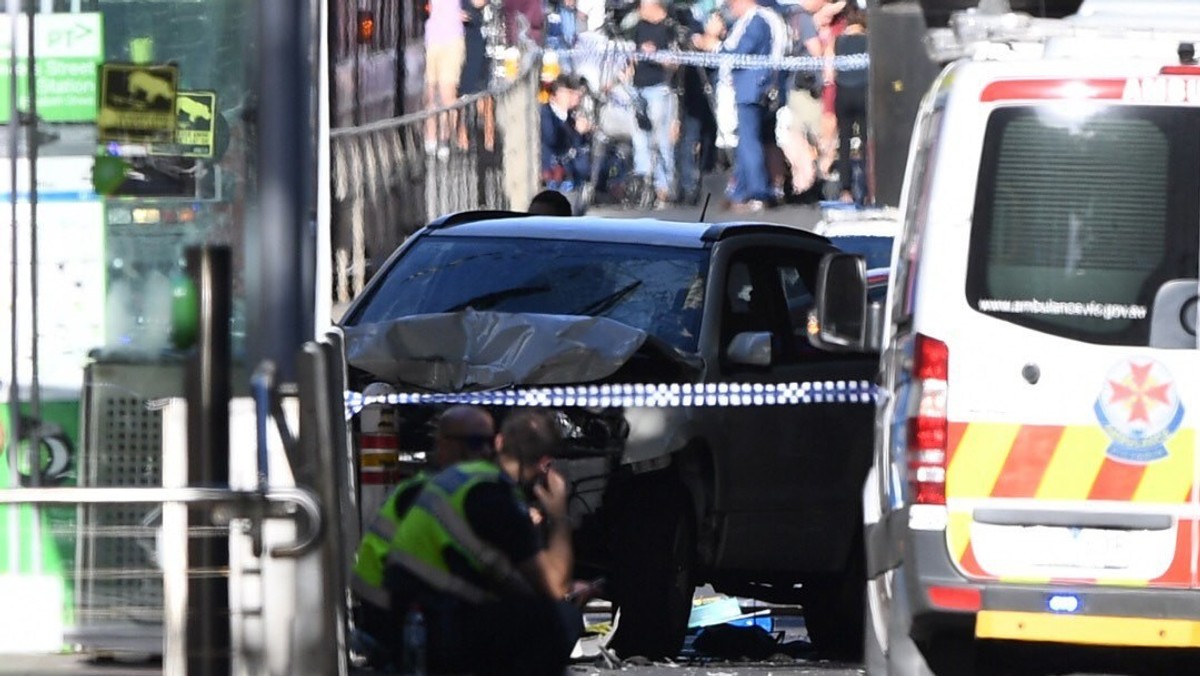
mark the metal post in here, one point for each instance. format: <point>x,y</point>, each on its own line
<point>280,295</point>
<point>14,389</point>
<point>208,391</point>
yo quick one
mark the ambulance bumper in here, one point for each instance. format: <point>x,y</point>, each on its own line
<point>942,599</point>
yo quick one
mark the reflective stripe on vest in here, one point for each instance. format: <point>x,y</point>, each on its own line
<point>494,562</point>
<point>436,524</point>
<point>366,591</point>
<point>441,580</point>
<point>377,542</point>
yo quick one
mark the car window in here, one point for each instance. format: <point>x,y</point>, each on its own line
<point>917,203</point>
<point>654,288</point>
<point>1080,219</point>
<point>771,290</point>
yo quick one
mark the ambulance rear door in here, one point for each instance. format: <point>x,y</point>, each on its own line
<point>1073,384</point>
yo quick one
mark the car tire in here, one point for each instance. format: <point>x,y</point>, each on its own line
<point>833,607</point>
<point>653,568</point>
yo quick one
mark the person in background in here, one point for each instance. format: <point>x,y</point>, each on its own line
<point>830,23</point>
<point>781,46</point>
<point>475,72</point>
<point>550,203</point>
<point>463,433</point>
<point>696,152</point>
<point>851,101</point>
<point>749,35</point>
<point>445,53</point>
<point>524,16</point>
<point>654,143</point>
<point>562,25</point>
<point>565,136</point>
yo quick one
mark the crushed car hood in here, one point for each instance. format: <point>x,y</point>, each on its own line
<point>481,350</point>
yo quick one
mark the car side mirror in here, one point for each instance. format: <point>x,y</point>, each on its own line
<point>840,321</point>
<point>750,348</point>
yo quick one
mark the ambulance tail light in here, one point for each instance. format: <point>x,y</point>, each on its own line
<point>927,430</point>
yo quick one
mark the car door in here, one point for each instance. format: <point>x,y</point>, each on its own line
<point>794,472</point>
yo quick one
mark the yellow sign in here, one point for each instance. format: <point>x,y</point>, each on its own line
<point>195,124</point>
<point>137,103</point>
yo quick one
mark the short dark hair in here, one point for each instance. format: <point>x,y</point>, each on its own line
<point>562,82</point>
<point>530,435</point>
<point>550,203</point>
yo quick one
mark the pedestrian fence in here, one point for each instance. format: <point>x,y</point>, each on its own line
<point>394,176</point>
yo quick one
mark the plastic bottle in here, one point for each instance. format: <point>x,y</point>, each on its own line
<point>414,637</point>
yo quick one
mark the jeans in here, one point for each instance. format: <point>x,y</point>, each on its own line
<point>697,149</point>
<point>750,162</point>
<point>653,150</point>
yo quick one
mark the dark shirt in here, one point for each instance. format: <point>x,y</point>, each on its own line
<point>559,138</point>
<point>650,73</point>
<point>845,46</point>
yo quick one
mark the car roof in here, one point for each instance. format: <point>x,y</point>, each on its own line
<point>864,223</point>
<point>650,231</point>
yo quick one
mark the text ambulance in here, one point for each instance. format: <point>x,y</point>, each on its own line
<point>1035,483</point>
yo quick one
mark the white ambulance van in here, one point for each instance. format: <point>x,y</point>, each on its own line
<point>1036,483</point>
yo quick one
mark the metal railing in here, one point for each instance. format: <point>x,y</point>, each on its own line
<point>394,176</point>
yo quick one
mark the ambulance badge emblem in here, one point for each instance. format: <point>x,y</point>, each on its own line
<point>1139,409</point>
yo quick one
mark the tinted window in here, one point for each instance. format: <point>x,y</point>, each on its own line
<point>1081,218</point>
<point>657,289</point>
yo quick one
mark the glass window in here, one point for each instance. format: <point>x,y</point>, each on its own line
<point>657,289</point>
<point>1082,216</point>
<point>100,259</point>
<point>918,187</point>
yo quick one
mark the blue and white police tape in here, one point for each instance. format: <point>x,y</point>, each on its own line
<point>640,395</point>
<point>716,59</point>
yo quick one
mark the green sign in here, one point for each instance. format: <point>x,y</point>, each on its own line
<point>195,125</point>
<point>137,103</point>
<point>67,49</point>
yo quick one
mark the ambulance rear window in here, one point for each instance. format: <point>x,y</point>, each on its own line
<point>1082,215</point>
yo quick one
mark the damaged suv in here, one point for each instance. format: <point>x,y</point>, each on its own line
<point>760,501</point>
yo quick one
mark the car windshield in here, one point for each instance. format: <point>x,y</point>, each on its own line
<point>877,250</point>
<point>654,288</point>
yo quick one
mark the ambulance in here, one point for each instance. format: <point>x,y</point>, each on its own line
<point>1036,485</point>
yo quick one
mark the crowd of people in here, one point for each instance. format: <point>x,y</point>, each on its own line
<point>785,132</point>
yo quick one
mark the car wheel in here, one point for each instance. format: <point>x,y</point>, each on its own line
<point>833,608</point>
<point>653,568</point>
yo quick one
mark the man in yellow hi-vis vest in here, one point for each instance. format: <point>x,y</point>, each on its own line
<point>463,433</point>
<point>469,556</point>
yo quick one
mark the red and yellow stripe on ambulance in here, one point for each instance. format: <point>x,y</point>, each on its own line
<point>1136,457</point>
